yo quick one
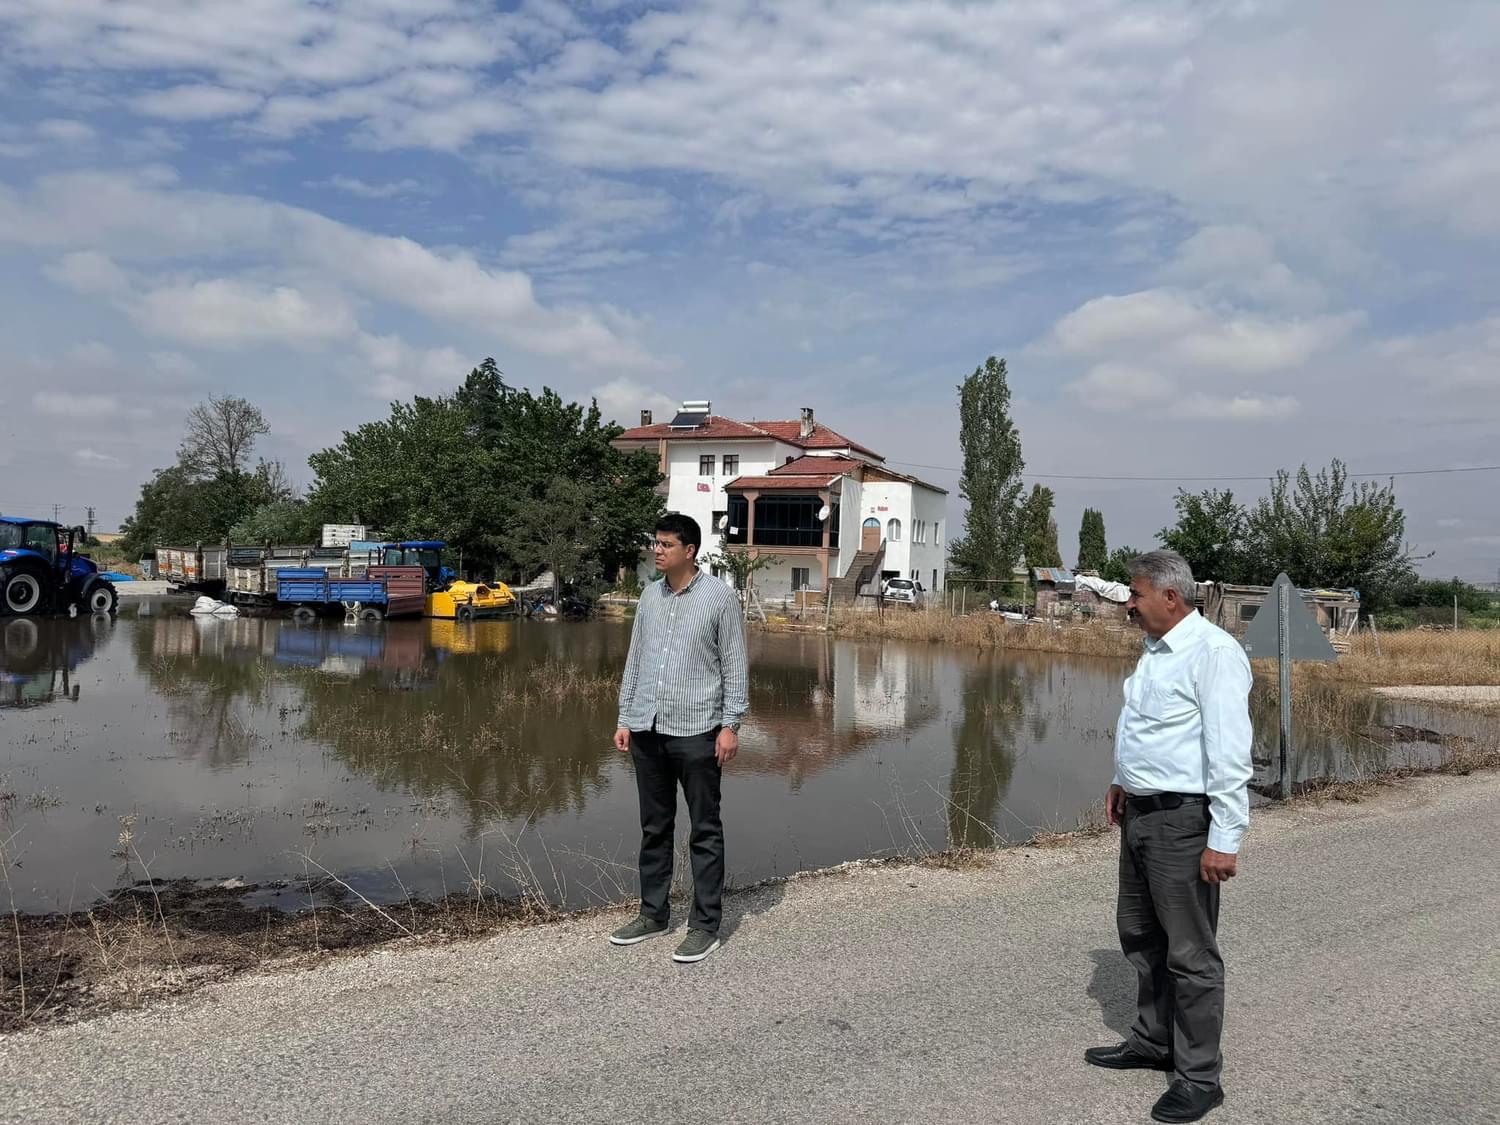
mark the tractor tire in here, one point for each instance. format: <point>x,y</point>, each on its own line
<point>23,592</point>
<point>304,615</point>
<point>464,613</point>
<point>101,598</point>
<point>372,613</point>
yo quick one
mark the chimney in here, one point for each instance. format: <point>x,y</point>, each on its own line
<point>645,417</point>
<point>807,422</point>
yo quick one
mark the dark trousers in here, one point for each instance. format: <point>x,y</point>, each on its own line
<point>1169,919</point>
<point>662,762</point>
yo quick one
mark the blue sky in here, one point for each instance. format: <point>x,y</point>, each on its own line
<point>1212,239</point>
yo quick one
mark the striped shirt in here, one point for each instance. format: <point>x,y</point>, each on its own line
<point>687,671</point>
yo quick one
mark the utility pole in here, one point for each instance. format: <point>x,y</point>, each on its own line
<point>56,513</point>
<point>90,528</point>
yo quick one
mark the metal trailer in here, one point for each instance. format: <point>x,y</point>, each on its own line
<point>253,570</point>
<point>380,592</point>
<point>200,567</point>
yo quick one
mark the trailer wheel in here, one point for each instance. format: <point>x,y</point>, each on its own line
<point>371,613</point>
<point>464,613</point>
<point>23,593</point>
<point>304,615</point>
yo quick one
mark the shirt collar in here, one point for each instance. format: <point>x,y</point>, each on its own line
<point>666,587</point>
<point>1175,637</point>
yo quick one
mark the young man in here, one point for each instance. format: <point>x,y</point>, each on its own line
<point>682,697</point>
<point>1182,764</point>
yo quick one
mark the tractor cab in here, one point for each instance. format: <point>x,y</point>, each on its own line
<point>42,571</point>
<point>426,553</point>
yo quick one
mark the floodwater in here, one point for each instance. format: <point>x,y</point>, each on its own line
<point>422,757</point>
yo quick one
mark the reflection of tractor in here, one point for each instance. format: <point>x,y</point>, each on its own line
<point>42,572</point>
<point>38,658</point>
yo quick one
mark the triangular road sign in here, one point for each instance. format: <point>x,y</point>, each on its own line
<point>1305,638</point>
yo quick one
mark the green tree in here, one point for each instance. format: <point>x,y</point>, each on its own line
<point>558,531</point>
<point>1039,529</point>
<point>211,487</point>
<point>475,468</point>
<point>280,521</point>
<point>1117,567</point>
<point>1211,533</point>
<point>1093,552</point>
<point>991,476</point>
<point>1324,531</point>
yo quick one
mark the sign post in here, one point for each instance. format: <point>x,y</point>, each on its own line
<point>1284,626</point>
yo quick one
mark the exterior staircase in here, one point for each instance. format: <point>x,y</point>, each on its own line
<point>864,570</point>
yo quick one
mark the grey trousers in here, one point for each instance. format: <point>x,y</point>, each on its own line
<point>1168,919</point>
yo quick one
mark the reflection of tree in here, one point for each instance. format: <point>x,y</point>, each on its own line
<point>995,695</point>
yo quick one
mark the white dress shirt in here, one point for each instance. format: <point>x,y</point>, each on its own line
<point>1185,726</point>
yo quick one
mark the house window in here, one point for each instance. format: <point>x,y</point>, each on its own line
<point>800,577</point>
<point>731,464</point>
<point>934,578</point>
<point>1248,610</point>
<point>714,528</point>
<point>919,532</point>
<point>893,531</point>
<point>706,465</point>
<point>937,532</point>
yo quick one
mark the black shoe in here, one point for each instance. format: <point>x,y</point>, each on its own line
<point>1124,1057</point>
<point>1185,1102</point>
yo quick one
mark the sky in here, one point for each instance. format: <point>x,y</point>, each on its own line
<point>1212,239</point>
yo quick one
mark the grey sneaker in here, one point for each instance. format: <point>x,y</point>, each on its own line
<point>697,945</point>
<point>639,930</point>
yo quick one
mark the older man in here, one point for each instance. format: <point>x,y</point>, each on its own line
<point>1182,763</point>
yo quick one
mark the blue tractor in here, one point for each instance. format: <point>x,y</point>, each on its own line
<point>41,571</point>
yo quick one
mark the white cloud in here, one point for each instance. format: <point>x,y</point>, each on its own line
<point>1236,408</point>
<point>67,404</point>
<point>93,459</point>
<point>392,369</point>
<point>226,313</point>
<point>60,131</point>
<point>88,271</point>
<point>146,218</point>
<point>622,400</point>
<point>197,102</point>
<point>351,185</point>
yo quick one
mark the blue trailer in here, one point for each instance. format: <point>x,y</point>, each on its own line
<point>310,591</point>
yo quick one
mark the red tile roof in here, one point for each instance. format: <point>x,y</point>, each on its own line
<point>719,429</point>
<point>816,466</point>
<point>796,483</point>
<point>822,437</point>
<point>716,428</point>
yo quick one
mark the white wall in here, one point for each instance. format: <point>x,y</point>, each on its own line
<point>756,459</point>
<point>776,580</point>
<point>851,516</point>
<point>909,503</point>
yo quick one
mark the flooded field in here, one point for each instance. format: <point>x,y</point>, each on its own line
<point>418,759</point>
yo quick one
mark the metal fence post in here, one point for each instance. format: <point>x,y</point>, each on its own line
<point>1284,670</point>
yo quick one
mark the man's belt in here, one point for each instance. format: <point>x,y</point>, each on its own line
<point>1158,801</point>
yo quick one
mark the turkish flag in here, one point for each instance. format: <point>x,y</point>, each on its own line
<point>703,487</point>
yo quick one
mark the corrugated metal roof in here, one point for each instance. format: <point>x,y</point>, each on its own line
<point>1054,574</point>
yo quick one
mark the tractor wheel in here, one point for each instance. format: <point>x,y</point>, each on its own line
<point>464,613</point>
<point>371,613</point>
<point>102,598</point>
<point>24,592</point>
<point>304,615</point>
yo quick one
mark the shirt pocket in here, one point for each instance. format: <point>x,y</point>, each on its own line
<point>1163,702</point>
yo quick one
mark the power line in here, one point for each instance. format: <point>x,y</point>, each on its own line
<point>1191,477</point>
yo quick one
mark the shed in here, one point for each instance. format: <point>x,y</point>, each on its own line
<point>1232,607</point>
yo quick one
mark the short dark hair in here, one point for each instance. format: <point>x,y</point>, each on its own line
<point>685,528</point>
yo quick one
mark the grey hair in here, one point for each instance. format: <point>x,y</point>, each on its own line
<point>1166,570</point>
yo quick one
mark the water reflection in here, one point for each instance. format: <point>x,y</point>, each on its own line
<point>400,753</point>
<point>38,658</point>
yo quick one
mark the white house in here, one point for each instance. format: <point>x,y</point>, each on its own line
<point>826,507</point>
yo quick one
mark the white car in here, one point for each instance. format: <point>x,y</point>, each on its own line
<point>902,590</point>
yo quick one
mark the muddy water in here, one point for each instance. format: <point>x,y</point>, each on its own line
<point>418,758</point>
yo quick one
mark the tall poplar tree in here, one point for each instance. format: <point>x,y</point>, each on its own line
<point>1093,552</point>
<point>991,476</point>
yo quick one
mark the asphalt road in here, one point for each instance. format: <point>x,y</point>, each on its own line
<point>1364,986</point>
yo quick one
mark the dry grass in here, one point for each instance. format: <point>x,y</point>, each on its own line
<point>985,631</point>
<point>1467,657</point>
<point>1464,657</point>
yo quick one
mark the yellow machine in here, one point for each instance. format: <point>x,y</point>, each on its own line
<point>466,601</point>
